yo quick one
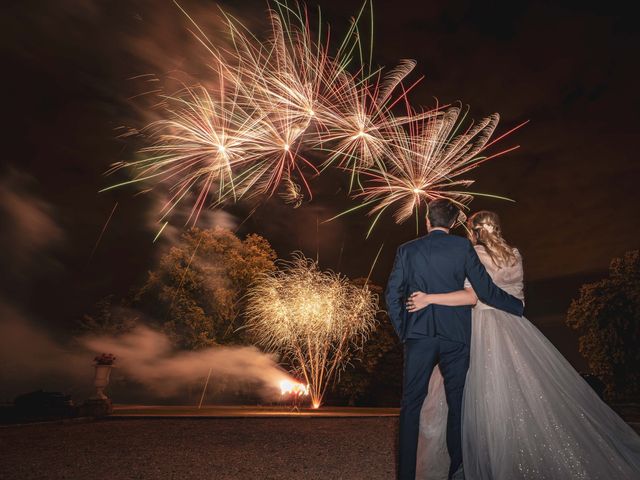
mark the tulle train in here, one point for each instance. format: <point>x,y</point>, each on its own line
<point>527,414</point>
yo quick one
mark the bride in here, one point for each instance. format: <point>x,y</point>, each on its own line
<point>527,413</point>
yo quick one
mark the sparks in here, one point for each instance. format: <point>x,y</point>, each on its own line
<point>313,318</point>
<point>276,100</point>
<point>243,136</point>
<point>288,387</point>
<point>426,162</point>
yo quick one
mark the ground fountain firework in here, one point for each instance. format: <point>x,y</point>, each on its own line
<point>313,318</point>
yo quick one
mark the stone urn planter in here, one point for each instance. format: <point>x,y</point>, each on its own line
<point>99,405</point>
<point>101,380</point>
<point>103,366</point>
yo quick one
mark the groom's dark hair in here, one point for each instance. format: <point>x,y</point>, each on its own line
<point>442,213</point>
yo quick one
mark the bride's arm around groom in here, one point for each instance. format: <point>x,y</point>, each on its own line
<point>485,289</point>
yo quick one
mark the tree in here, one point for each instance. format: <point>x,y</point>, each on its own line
<point>197,290</point>
<point>374,373</point>
<point>607,315</point>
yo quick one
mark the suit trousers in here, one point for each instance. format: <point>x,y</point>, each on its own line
<point>421,355</point>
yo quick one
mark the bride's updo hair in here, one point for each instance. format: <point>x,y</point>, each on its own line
<point>484,229</point>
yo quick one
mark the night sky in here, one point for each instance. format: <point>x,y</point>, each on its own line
<point>569,69</point>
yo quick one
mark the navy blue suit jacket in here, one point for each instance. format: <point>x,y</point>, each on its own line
<point>439,263</point>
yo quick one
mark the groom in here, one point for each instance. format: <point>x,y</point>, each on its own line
<point>437,263</point>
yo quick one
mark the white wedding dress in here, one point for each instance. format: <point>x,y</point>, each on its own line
<point>527,414</point>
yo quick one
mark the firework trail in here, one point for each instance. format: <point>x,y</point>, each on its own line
<point>313,318</point>
<point>104,228</point>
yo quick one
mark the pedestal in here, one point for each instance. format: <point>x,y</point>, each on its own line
<point>96,407</point>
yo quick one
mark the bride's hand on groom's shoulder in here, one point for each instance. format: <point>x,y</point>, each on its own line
<point>417,301</point>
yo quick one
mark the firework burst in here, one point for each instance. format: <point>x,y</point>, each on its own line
<point>292,80</point>
<point>426,161</point>
<point>198,145</point>
<point>357,118</point>
<point>313,318</point>
<point>244,136</point>
<point>277,100</point>
<point>292,194</point>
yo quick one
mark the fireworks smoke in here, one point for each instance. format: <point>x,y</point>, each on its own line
<point>31,358</point>
<point>147,357</point>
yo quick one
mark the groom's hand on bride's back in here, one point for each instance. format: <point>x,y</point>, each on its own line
<point>459,298</point>
<point>417,301</point>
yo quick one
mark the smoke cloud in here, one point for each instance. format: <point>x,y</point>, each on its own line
<point>148,367</point>
<point>32,232</point>
<point>208,218</point>
<point>147,356</point>
<point>31,359</point>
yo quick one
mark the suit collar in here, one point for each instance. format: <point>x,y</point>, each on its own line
<point>437,232</point>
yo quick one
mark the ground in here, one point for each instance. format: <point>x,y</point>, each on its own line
<point>202,448</point>
<point>213,443</point>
